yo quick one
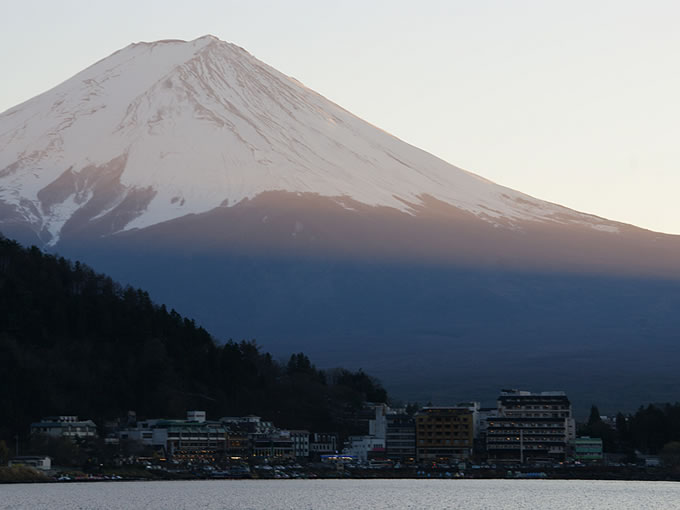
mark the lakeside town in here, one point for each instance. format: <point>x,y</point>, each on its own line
<point>526,435</point>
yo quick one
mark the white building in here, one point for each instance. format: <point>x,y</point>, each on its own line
<point>37,461</point>
<point>251,424</point>
<point>65,426</point>
<point>361,446</point>
<point>145,432</point>
<point>190,438</point>
<point>530,427</point>
<point>197,416</point>
<point>377,427</point>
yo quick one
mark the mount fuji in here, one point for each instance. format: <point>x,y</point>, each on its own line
<point>247,200</point>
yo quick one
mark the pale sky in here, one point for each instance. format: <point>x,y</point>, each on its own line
<point>576,102</point>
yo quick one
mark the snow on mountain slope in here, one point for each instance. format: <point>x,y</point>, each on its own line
<point>164,129</point>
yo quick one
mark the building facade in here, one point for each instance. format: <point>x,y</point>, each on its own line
<point>300,443</point>
<point>400,441</point>
<point>65,426</point>
<point>40,462</point>
<point>322,443</point>
<point>238,445</point>
<point>274,445</point>
<point>362,447</point>
<point>444,434</point>
<point>186,440</point>
<point>587,449</point>
<point>530,427</point>
<point>191,439</point>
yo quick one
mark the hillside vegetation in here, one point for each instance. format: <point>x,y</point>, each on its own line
<point>73,341</point>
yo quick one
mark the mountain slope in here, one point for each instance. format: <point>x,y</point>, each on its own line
<point>239,196</point>
<point>160,130</point>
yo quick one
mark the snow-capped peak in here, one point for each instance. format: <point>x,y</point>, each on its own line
<point>164,129</point>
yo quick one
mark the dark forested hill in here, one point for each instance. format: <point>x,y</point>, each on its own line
<point>73,341</point>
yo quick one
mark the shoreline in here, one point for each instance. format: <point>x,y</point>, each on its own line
<point>628,475</point>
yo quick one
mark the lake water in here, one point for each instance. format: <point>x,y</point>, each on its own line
<point>345,494</point>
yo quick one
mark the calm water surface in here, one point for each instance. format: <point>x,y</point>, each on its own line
<point>346,494</point>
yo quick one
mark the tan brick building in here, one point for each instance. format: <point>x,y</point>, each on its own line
<point>444,434</point>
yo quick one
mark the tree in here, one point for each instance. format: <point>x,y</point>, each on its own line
<point>670,454</point>
<point>412,409</point>
<point>597,428</point>
<point>594,416</point>
<point>649,428</point>
<point>4,453</point>
<point>300,363</point>
<point>622,426</point>
<point>75,342</point>
<point>63,450</point>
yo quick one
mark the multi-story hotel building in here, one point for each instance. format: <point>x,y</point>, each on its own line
<point>530,427</point>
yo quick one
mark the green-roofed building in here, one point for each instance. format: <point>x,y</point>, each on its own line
<point>587,449</point>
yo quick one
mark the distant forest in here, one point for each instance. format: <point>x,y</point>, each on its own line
<point>73,341</point>
<point>654,429</point>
